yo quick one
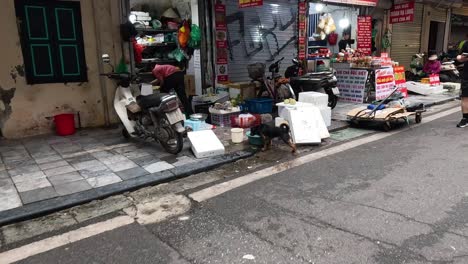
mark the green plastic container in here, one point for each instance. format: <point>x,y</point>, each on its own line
<point>254,140</point>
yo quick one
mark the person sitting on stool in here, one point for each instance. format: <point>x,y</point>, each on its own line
<point>171,77</point>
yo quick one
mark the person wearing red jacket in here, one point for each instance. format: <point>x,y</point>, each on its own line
<point>170,78</point>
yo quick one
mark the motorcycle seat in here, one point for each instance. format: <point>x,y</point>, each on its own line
<point>152,100</point>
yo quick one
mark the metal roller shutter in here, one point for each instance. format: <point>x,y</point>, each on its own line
<point>260,34</point>
<point>439,14</point>
<point>406,38</point>
<point>463,11</point>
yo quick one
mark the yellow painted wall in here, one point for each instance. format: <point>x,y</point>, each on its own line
<point>32,105</point>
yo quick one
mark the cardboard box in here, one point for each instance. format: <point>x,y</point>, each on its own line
<point>189,82</point>
<point>247,90</point>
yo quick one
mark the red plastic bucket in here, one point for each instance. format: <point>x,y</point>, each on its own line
<point>65,124</point>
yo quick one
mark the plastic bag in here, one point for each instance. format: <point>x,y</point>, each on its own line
<point>195,37</point>
<point>121,67</point>
<point>184,35</point>
<point>178,55</point>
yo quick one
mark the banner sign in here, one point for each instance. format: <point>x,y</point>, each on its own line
<point>355,2</point>
<point>364,34</point>
<point>401,13</point>
<point>352,84</point>
<point>385,83</point>
<point>250,3</point>
<point>400,80</point>
<point>302,31</point>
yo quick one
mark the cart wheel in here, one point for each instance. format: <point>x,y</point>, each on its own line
<point>387,127</point>
<point>418,118</point>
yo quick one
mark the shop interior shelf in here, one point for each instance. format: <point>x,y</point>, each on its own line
<point>154,60</point>
<point>165,44</point>
<point>155,31</point>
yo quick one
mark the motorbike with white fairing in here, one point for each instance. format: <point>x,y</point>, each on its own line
<point>156,116</point>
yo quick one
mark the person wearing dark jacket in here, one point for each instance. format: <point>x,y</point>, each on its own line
<point>463,58</point>
<point>346,40</point>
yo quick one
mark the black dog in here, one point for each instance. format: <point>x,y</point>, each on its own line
<point>268,132</point>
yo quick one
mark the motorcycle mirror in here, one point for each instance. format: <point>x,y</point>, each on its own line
<point>105,58</point>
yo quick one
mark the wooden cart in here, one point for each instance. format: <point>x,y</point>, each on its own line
<point>386,117</point>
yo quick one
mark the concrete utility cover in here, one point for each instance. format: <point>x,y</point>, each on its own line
<point>159,210</point>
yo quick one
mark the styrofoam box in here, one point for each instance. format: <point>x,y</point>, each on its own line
<point>424,89</point>
<point>454,86</point>
<point>325,111</point>
<point>318,99</point>
<point>312,117</point>
<point>205,144</point>
<point>326,115</point>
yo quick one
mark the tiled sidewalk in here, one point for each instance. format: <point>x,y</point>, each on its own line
<point>41,168</point>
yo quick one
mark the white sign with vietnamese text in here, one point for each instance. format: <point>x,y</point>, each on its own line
<point>352,84</point>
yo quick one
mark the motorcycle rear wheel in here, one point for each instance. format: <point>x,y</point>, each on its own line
<point>176,145</point>
<point>174,142</point>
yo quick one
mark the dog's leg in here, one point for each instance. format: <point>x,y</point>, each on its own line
<point>293,146</point>
<point>288,140</point>
<point>269,143</point>
<point>265,143</point>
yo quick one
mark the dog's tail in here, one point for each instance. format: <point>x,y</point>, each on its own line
<point>285,128</point>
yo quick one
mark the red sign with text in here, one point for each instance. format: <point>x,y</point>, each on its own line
<point>434,79</point>
<point>400,80</point>
<point>364,34</point>
<point>250,3</point>
<point>302,30</point>
<point>402,13</point>
<point>220,17</point>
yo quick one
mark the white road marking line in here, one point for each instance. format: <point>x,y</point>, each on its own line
<point>50,243</point>
<point>221,188</point>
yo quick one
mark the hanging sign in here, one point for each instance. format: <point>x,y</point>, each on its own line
<point>250,3</point>
<point>401,13</point>
<point>355,2</point>
<point>434,79</point>
<point>352,84</point>
<point>364,34</point>
<point>221,43</point>
<point>384,83</point>
<point>222,73</point>
<point>302,30</point>
<point>220,17</point>
<point>400,80</point>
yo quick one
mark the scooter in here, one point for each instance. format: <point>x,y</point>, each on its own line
<point>449,72</point>
<point>156,116</point>
<point>313,82</point>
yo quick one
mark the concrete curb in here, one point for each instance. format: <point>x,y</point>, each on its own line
<point>45,207</point>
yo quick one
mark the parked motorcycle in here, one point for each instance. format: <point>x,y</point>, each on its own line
<point>156,116</point>
<point>273,86</point>
<point>313,82</point>
<point>449,72</point>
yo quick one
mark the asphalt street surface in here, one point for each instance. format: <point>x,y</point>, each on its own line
<point>402,199</point>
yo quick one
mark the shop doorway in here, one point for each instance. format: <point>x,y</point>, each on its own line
<point>436,36</point>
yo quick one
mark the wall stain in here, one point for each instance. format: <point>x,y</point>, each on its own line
<point>5,107</point>
<point>15,71</point>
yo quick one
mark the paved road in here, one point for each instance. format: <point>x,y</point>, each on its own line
<point>402,199</point>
